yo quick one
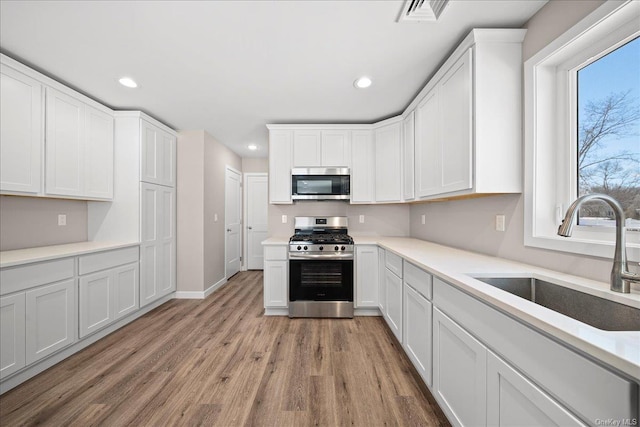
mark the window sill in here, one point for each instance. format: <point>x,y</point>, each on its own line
<point>581,246</point>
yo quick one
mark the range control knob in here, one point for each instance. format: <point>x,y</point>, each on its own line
<point>305,248</point>
<point>336,248</point>
<point>321,248</point>
<point>342,248</point>
<point>299,247</point>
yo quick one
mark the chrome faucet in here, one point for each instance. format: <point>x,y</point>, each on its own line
<point>621,277</point>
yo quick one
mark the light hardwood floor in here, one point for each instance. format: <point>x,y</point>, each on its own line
<point>219,361</point>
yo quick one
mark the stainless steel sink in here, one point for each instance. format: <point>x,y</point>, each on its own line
<point>592,310</point>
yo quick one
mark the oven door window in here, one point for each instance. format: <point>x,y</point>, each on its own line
<point>321,280</point>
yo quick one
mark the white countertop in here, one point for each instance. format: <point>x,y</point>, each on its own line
<point>619,349</point>
<point>44,253</point>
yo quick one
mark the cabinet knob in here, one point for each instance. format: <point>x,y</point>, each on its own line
<point>250,227</point>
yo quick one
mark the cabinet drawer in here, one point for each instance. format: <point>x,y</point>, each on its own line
<point>275,253</point>
<point>394,263</point>
<point>103,260</point>
<point>579,384</point>
<point>418,279</point>
<point>15,279</point>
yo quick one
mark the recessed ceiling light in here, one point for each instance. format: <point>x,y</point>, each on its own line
<point>128,82</point>
<point>363,82</point>
<point>252,147</point>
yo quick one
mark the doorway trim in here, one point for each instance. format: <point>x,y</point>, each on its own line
<point>245,235</point>
<point>227,169</point>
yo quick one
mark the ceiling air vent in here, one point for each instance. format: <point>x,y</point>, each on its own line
<point>422,10</point>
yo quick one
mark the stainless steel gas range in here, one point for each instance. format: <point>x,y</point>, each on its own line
<point>321,268</point>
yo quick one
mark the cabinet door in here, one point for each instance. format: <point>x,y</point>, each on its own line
<point>394,303</point>
<point>382,283</point>
<point>456,132</point>
<point>280,164</point>
<point>408,156</point>
<point>65,146</point>
<point>12,334</point>
<point>335,148</point>
<point>417,331</point>
<point>167,147</point>
<point>388,163</point>
<point>459,372</point>
<point>514,400</point>
<point>362,167</point>
<point>50,319</point>
<point>427,146</point>
<point>21,135</point>
<point>149,255</point>
<point>98,154</point>
<point>125,290</point>
<point>276,282</point>
<point>366,276</point>
<point>166,253</point>
<point>95,297</point>
<point>306,148</point>
<point>158,155</point>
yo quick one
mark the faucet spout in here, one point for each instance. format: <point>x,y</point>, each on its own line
<point>621,277</point>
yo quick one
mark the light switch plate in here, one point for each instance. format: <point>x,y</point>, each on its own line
<point>500,223</point>
<point>361,219</point>
<point>424,219</point>
<point>215,217</point>
<point>62,219</point>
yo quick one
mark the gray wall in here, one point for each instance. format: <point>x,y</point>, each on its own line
<point>255,165</point>
<point>26,222</point>
<point>469,224</point>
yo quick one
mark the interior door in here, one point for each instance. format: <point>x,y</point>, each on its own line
<point>233,246</point>
<point>256,199</point>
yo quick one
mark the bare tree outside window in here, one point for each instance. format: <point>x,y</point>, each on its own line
<point>608,154</point>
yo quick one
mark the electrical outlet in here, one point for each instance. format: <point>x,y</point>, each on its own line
<point>215,217</point>
<point>361,219</point>
<point>424,219</point>
<point>284,219</point>
<point>500,223</point>
<point>62,219</point>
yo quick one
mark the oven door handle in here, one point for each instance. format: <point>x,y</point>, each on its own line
<point>327,257</point>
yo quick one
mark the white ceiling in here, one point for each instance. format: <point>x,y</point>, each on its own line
<point>230,67</point>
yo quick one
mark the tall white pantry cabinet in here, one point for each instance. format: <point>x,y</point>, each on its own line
<point>144,205</point>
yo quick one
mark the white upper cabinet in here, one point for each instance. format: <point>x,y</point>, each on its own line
<point>336,148</point>
<point>158,155</point>
<point>388,165</point>
<point>408,141</point>
<point>362,167</point>
<point>329,148</point>
<point>307,150</point>
<point>65,144</point>
<point>21,133</point>
<point>280,164</point>
<point>75,150</point>
<point>467,130</point>
<point>98,154</point>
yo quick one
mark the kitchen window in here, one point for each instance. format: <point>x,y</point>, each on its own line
<point>582,131</point>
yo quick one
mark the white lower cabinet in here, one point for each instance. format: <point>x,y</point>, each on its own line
<point>459,372</point>
<point>276,277</point>
<point>50,319</point>
<point>514,400</point>
<point>366,277</point>
<point>417,331</point>
<point>106,296</point>
<point>393,312</point>
<point>382,282</point>
<point>12,334</point>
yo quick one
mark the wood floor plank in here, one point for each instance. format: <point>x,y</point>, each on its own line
<point>221,362</point>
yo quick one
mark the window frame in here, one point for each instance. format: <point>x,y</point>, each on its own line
<point>550,104</point>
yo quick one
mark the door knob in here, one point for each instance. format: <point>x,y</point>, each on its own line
<point>250,227</point>
<point>229,230</point>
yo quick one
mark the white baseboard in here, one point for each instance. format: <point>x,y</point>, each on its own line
<point>201,294</point>
<point>276,311</point>
<point>373,311</point>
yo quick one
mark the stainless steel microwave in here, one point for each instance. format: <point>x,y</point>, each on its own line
<point>320,184</point>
